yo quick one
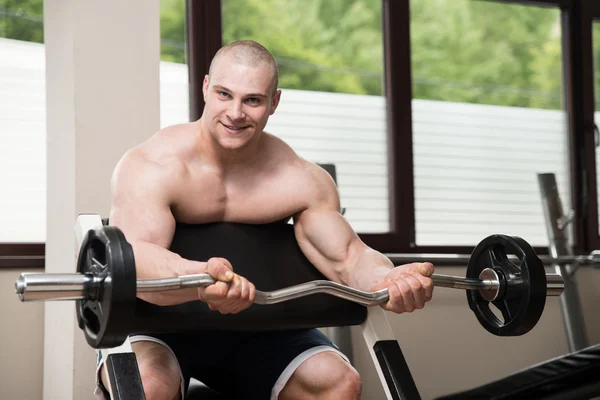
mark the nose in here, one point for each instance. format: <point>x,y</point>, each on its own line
<point>235,111</point>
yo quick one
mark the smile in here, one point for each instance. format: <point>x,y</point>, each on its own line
<point>235,128</point>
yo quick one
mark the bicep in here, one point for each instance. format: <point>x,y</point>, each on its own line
<point>140,204</point>
<point>324,235</point>
<point>328,242</point>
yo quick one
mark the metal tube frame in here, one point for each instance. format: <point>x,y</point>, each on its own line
<point>463,259</point>
<point>556,227</point>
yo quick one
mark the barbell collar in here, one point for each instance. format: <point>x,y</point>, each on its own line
<point>34,287</point>
<point>455,282</point>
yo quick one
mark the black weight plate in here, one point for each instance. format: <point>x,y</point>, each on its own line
<point>523,298</point>
<point>105,317</point>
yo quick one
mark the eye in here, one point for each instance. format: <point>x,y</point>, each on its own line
<point>253,100</point>
<point>223,94</point>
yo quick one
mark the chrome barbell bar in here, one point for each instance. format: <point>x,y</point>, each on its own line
<point>54,287</point>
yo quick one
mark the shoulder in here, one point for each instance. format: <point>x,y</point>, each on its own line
<point>158,160</point>
<point>320,185</point>
<point>168,147</point>
<point>317,185</point>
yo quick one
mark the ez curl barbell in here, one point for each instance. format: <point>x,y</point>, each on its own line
<point>106,273</point>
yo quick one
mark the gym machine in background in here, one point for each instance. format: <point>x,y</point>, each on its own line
<point>556,226</point>
<point>560,258</point>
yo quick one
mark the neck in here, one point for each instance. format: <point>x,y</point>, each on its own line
<point>227,158</point>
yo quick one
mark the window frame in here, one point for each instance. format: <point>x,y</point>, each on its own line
<point>580,21</point>
<point>204,31</point>
<point>204,41</point>
<point>22,255</point>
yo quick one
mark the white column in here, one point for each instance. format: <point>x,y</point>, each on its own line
<point>102,72</point>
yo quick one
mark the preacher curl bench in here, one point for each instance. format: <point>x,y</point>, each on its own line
<point>108,310</point>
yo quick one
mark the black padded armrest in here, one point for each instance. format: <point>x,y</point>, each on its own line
<point>269,257</point>
<point>572,376</point>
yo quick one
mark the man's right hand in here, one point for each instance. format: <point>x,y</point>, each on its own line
<point>231,293</point>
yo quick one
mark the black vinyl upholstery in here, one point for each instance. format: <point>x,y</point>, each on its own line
<point>572,376</point>
<point>198,391</point>
<point>269,256</point>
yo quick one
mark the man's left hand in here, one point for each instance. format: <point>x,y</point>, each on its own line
<point>409,287</point>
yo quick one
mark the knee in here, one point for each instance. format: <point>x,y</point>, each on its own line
<point>338,378</point>
<point>325,375</point>
<point>158,386</point>
<point>350,383</point>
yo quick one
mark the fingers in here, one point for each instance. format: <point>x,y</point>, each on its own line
<point>213,293</point>
<point>425,271</point>
<point>401,296</point>
<point>240,296</point>
<point>246,297</point>
<point>396,300</point>
<point>409,287</point>
<point>416,289</point>
<point>231,293</point>
<point>220,269</point>
<point>233,299</point>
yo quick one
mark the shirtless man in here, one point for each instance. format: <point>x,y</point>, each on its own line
<point>224,167</point>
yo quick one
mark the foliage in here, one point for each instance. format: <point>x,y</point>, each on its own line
<point>22,20</point>
<point>461,50</point>
<point>172,31</point>
<point>486,52</point>
<point>325,45</point>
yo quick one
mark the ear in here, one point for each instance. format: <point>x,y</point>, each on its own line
<point>275,101</point>
<point>205,87</point>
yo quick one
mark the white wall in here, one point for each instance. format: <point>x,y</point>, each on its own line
<point>21,342</point>
<point>475,165</point>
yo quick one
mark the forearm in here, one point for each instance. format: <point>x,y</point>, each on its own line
<point>369,269</point>
<point>155,262</point>
<point>330,243</point>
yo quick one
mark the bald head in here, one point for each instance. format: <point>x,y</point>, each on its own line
<point>249,53</point>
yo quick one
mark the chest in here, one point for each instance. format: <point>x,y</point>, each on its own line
<point>257,199</point>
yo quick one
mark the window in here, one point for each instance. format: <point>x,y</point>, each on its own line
<point>333,108</point>
<point>22,122</point>
<point>487,118</point>
<point>596,71</point>
<point>23,113</point>
<point>22,20</point>
<point>174,82</point>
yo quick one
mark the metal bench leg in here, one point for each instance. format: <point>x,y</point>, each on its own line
<point>389,361</point>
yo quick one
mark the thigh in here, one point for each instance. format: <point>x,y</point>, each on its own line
<point>261,367</point>
<point>204,355</point>
<point>325,375</point>
<point>158,368</point>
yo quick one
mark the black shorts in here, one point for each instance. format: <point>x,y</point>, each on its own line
<point>243,365</point>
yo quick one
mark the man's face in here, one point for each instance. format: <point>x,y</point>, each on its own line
<point>238,102</point>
